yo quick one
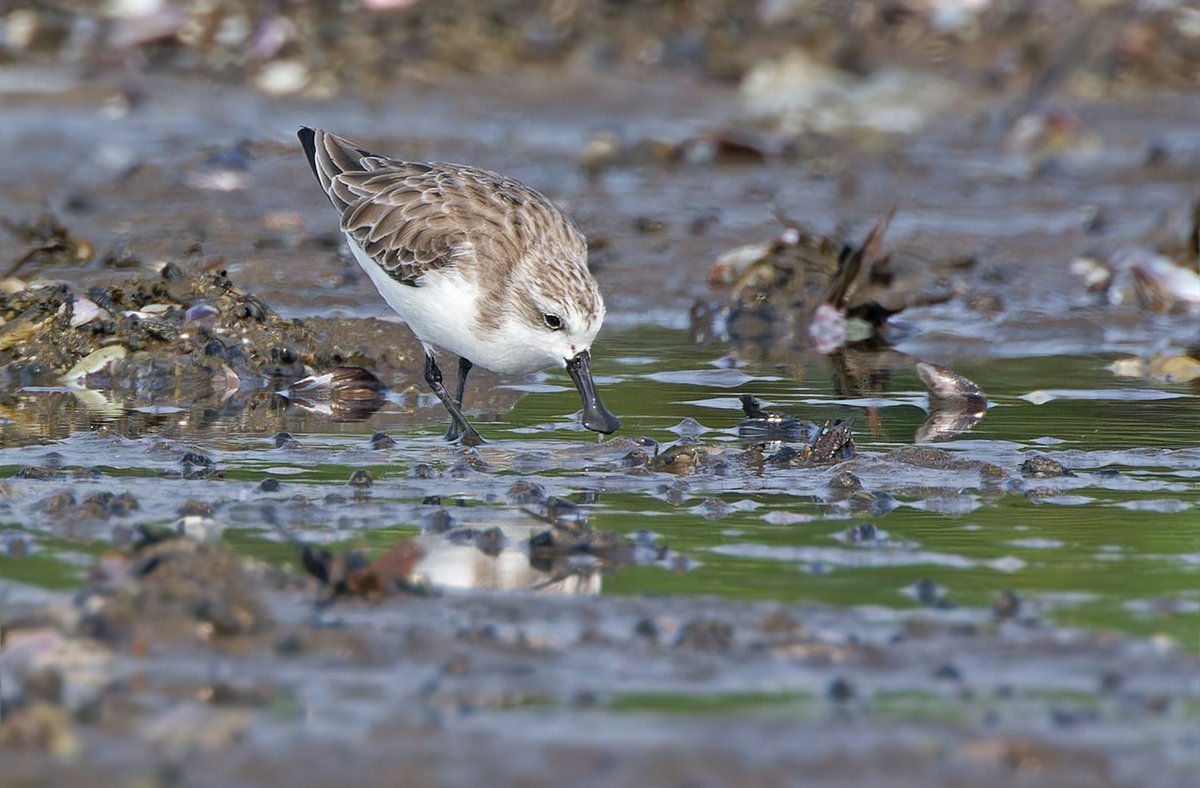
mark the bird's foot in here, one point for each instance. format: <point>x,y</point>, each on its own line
<point>471,438</point>
<point>467,437</point>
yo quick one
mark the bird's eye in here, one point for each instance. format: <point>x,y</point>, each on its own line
<point>553,322</point>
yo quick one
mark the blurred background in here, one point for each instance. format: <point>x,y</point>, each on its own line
<point>671,131</point>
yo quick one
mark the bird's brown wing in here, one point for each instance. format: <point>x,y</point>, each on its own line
<point>404,215</point>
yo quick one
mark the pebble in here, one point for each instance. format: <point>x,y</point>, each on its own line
<point>382,440</point>
<point>1042,467</point>
<point>863,533</point>
<point>840,691</point>
<point>490,541</point>
<point>646,628</point>
<point>284,440</point>
<point>193,508</point>
<point>706,635</point>
<point>197,459</point>
<point>1006,606</point>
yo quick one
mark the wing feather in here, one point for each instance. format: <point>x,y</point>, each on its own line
<point>414,218</point>
<point>392,209</point>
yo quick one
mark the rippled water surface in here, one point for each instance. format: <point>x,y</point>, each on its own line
<point>1115,545</point>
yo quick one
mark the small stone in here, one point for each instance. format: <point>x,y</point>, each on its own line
<point>947,672</point>
<point>290,645</point>
<point>1070,716</point>
<point>464,535</point>
<point>1158,703</point>
<point>635,459</point>
<point>381,440</point>
<point>269,485</point>
<point>104,505</point>
<point>1111,681</point>
<point>714,509</point>
<point>361,479</point>
<point>423,471</point>
<point>1042,467</point>
<point>592,637</point>
<point>647,225</point>
<point>840,691</point>
<point>524,491</point>
<point>863,533</point>
<point>284,440</point>
<point>780,620</point>
<point>929,594</point>
<point>57,503</point>
<point>491,541</point>
<point>706,635</point>
<point>845,482</point>
<point>587,497</point>
<point>646,628</point>
<point>192,508</point>
<point>456,665</point>
<point>1006,606</point>
<point>437,522</point>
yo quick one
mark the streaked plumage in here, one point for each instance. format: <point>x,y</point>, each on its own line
<point>475,263</point>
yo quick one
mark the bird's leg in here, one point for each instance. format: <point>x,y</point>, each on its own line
<point>433,376</point>
<point>464,367</point>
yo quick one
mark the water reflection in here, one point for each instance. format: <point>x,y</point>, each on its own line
<point>448,564</point>
<point>966,515</point>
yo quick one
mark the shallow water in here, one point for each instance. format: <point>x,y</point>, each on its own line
<point>1114,546</point>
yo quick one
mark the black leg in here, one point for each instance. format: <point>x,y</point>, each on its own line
<point>464,368</point>
<point>433,376</point>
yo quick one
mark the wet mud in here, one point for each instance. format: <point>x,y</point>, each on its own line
<point>108,673</point>
<point>908,366</point>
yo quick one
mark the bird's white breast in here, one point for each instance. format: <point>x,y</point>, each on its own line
<point>443,312</point>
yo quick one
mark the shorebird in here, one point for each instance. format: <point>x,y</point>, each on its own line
<point>476,264</point>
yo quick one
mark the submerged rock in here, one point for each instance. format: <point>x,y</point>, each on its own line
<point>1040,466</point>
<point>687,458</point>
